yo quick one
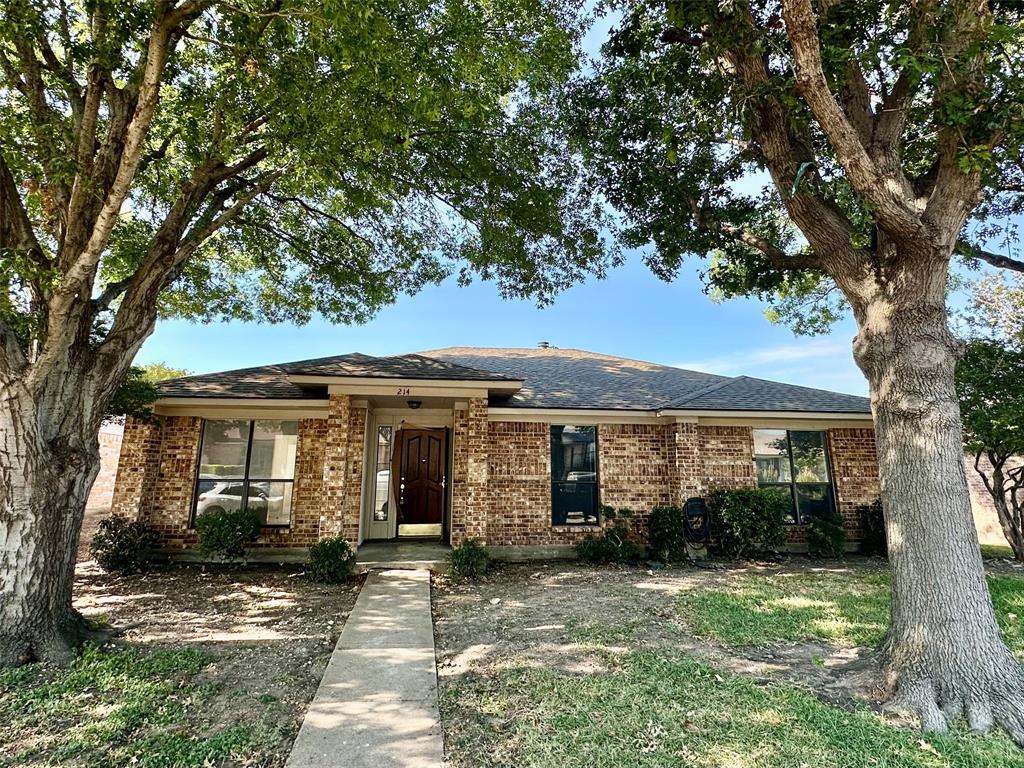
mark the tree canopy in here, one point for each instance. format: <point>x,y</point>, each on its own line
<point>787,144</point>
<point>268,159</point>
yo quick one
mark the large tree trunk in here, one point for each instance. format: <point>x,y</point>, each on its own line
<point>46,471</point>
<point>943,653</point>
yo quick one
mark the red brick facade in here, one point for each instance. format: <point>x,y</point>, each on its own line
<point>501,474</point>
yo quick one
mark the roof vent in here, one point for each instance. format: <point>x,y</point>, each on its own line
<point>544,344</point>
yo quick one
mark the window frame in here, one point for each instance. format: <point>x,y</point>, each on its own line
<point>793,483</point>
<point>246,478</point>
<point>596,482</point>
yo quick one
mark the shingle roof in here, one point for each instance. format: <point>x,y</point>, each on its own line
<point>553,378</point>
<point>271,381</point>
<point>574,378</point>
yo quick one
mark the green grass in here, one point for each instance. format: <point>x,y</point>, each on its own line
<point>850,608</point>
<point>663,709</point>
<point>996,551</point>
<point>118,708</point>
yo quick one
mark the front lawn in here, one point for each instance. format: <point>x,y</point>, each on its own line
<point>216,668</point>
<point>753,609</point>
<point>565,666</point>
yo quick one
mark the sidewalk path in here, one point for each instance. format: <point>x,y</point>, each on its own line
<point>376,706</point>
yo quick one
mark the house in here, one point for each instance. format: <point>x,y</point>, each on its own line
<point>517,448</point>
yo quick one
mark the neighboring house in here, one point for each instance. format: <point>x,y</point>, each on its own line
<point>517,448</point>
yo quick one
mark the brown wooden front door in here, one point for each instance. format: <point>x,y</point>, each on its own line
<point>420,474</point>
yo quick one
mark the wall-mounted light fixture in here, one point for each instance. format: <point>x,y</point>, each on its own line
<point>414,404</point>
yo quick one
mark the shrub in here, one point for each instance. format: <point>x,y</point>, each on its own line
<point>123,545</point>
<point>748,521</point>
<point>666,534</point>
<point>826,536</point>
<point>872,524</point>
<point>614,545</point>
<point>225,533</point>
<point>331,561</point>
<point>470,560</point>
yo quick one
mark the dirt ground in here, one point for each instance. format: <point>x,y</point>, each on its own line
<point>270,631</point>
<point>567,616</point>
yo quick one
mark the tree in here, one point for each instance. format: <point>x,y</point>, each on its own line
<point>990,383</point>
<point>161,371</point>
<point>261,160</point>
<point>888,136</point>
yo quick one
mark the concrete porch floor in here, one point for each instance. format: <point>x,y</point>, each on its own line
<point>401,554</point>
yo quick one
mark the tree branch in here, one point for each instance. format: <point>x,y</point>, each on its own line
<point>995,259</point>
<point>890,196</point>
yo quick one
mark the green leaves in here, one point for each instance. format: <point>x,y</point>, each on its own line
<point>990,386</point>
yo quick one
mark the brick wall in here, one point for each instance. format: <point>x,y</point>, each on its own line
<point>634,469</point>
<point>727,454</point>
<point>854,473</point>
<point>341,489</point>
<point>137,467</point>
<point>156,476</point>
<point>470,518</point>
<point>518,498</point>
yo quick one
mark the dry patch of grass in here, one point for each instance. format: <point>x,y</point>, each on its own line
<point>216,668</point>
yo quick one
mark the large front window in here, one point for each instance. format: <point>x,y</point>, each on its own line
<point>574,475</point>
<point>247,464</point>
<point>795,462</point>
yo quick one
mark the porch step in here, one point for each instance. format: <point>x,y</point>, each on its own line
<point>387,555</point>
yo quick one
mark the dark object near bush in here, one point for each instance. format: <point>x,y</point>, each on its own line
<point>872,524</point>
<point>615,545</point>
<point>331,561</point>
<point>225,533</point>
<point>749,521</point>
<point>826,536</point>
<point>666,534</point>
<point>468,561</point>
<point>122,546</point>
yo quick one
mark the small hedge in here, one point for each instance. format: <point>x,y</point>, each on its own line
<point>331,561</point>
<point>825,536</point>
<point>122,546</point>
<point>666,534</point>
<point>615,544</point>
<point>225,533</point>
<point>748,521</point>
<point>872,524</point>
<point>470,560</point>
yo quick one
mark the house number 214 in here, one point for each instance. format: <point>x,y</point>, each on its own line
<point>402,391</point>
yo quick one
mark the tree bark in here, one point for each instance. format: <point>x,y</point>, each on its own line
<point>943,654</point>
<point>45,476</point>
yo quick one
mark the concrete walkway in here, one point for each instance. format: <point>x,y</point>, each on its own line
<point>376,706</point>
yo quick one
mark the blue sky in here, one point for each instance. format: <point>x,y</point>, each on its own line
<point>631,313</point>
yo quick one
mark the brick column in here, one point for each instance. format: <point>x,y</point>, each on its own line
<point>685,464</point>
<point>470,508</point>
<point>343,469</point>
<point>137,467</point>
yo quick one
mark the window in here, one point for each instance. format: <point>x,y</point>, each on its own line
<point>574,475</point>
<point>247,464</point>
<point>382,475</point>
<point>795,462</point>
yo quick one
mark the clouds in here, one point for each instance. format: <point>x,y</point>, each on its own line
<point>824,363</point>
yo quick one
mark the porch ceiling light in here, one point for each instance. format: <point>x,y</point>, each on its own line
<point>414,404</point>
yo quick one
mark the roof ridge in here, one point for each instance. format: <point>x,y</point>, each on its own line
<point>729,380</point>
<point>541,350</point>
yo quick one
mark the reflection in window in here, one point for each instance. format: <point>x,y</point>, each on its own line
<point>574,475</point>
<point>382,475</point>
<point>794,461</point>
<point>247,464</point>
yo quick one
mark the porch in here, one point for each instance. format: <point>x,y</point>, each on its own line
<point>402,554</point>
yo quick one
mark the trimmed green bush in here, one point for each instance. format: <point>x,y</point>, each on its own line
<point>826,536</point>
<point>470,560</point>
<point>872,523</point>
<point>615,544</point>
<point>331,561</point>
<point>225,533</point>
<point>122,546</point>
<point>666,534</point>
<point>748,521</point>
